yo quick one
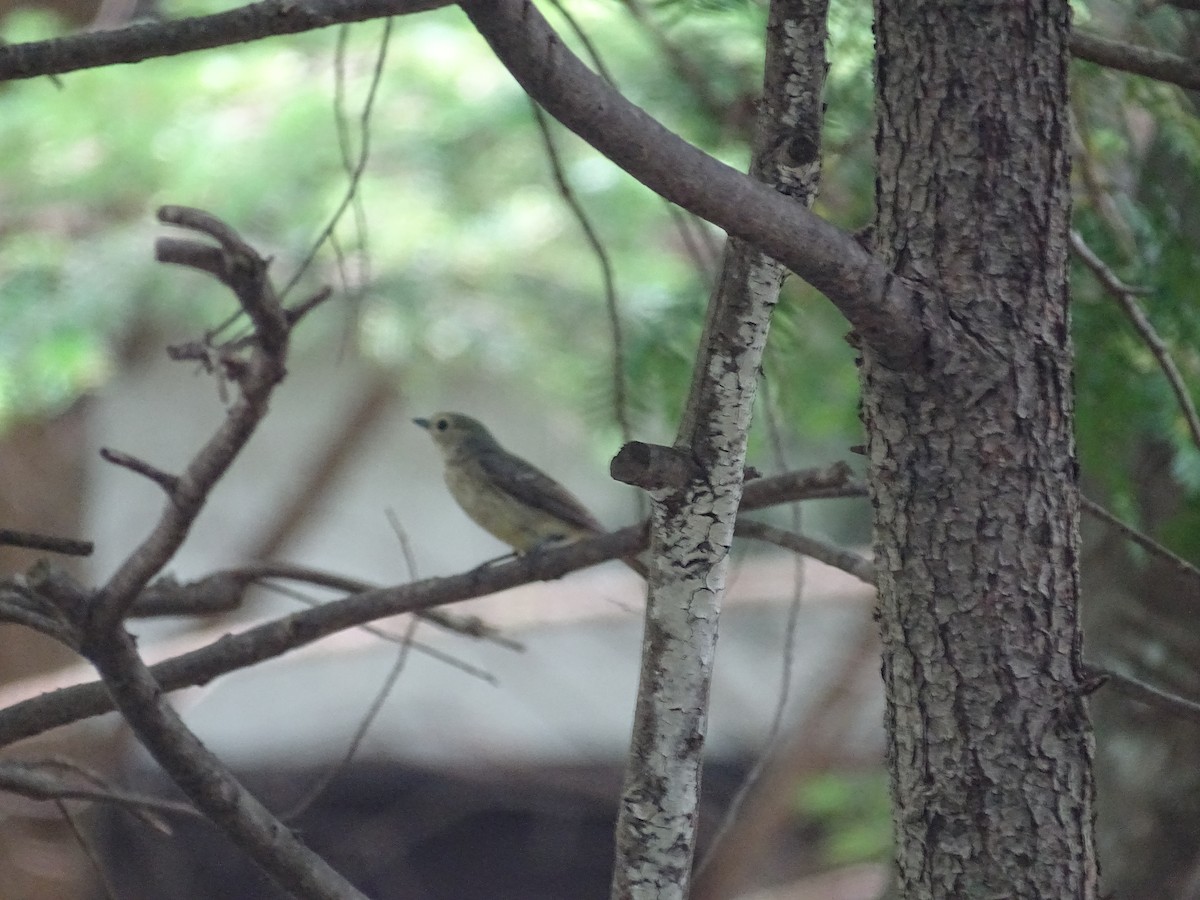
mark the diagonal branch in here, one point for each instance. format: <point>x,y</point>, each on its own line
<point>1124,295</point>
<point>207,782</point>
<point>882,308</point>
<point>150,40</point>
<point>860,567</point>
<point>1147,61</point>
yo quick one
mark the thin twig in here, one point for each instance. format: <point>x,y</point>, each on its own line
<point>1147,543</point>
<point>360,166</point>
<point>1139,60</point>
<point>398,529</point>
<point>256,373</point>
<point>1147,693</point>
<point>430,651</point>
<point>620,391</point>
<point>689,73</point>
<point>705,260</point>
<point>1125,295</point>
<point>89,851</point>
<point>385,689</point>
<point>164,480</point>
<point>34,781</point>
<point>588,46</point>
<point>154,39</point>
<point>10,537</point>
<point>850,563</point>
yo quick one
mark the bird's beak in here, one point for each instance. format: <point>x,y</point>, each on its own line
<point>424,423</point>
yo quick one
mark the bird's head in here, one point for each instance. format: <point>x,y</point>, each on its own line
<point>453,430</point>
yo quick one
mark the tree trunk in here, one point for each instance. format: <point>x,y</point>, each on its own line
<point>972,456</point>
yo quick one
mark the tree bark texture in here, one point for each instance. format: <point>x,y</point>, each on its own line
<point>693,526</point>
<point>972,456</point>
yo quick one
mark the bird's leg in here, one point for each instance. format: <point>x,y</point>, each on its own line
<point>497,560</point>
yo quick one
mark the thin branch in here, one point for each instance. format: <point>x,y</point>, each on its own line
<point>206,781</point>
<point>469,626</point>
<point>620,393</point>
<point>18,608</point>
<point>850,563</point>
<point>89,851</point>
<point>360,165</point>
<point>385,689</point>
<point>1139,60</point>
<point>33,780</point>
<point>257,373</point>
<point>882,308</point>
<point>1146,693</point>
<point>592,52</point>
<point>10,537</point>
<point>384,635</point>
<point>704,259</point>
<point>690,74</point>
<point>1182,566</point>
<point>1125,295</point>
<point>149,40</point>
<point>168,482</point>
<point>270,640</point>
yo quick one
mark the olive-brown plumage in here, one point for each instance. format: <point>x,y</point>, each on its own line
<point>505,495</point>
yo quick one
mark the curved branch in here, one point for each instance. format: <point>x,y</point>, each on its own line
<point>1139,60</point>
<point>883,309</point>
<point>150,40</point>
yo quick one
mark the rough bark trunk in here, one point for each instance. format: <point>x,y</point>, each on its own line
<point>972,456</point>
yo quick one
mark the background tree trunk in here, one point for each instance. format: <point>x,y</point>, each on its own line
<point>973,470</point>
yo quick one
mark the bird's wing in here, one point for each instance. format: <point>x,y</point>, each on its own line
<point>533,487</point>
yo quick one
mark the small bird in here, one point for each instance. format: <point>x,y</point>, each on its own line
<point>506,496</point>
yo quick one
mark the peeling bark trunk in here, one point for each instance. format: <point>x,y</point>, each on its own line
<point>693,526</point>
<point>973,470</point>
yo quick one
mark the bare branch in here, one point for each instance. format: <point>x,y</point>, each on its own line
<point>1145,693</point>
<point>164,480</point>
<point>45,780</point>
<point>232,652</point>
<point>620,389</point>
<point>257,373</point>
<point>1125,295</point>
<point>881,307</point>
<point>1182,566</point>
<point>10,537</point>
<point>852,563</point>
<point>688,71</point>
<point>1139,60</point>
<point>836,480</point>
<point>385,689</point>
<point>206,782</point>
<point>88,850</point>
<point>149,40</point>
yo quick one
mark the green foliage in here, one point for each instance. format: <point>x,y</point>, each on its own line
<point>854,815</point>
<point>475,268</point>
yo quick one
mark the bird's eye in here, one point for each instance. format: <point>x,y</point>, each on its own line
<point>442,424</point>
